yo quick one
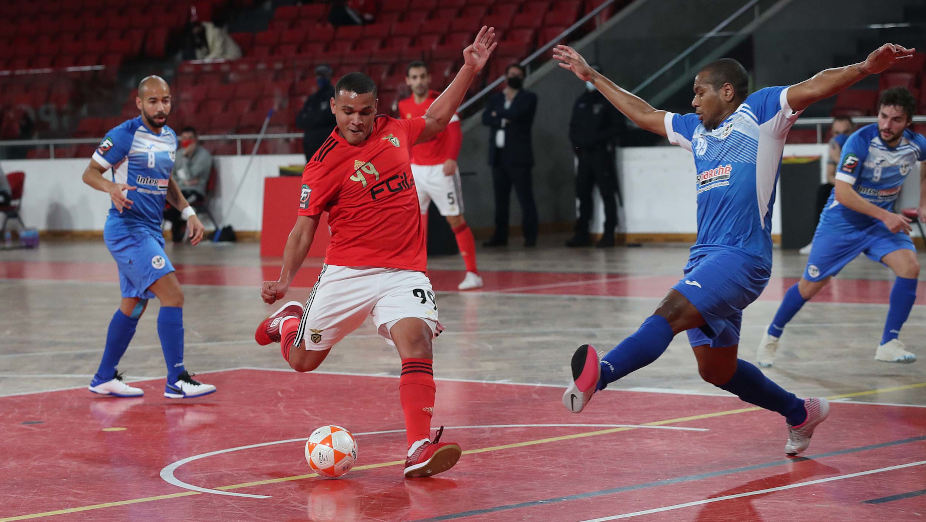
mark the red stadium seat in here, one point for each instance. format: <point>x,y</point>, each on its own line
<point>439,26</point>
<point>445,13</point>
<point>319,33</point>
<point>916,64</point>
<point>394,6</point>
<point>547,34</point>
<point>287,12</point>
<point>367,45</point>
<point>473,11</point>
<point>287,50</point>
<point>211,107</point>
<point>427,42</point>
<point>316,12</point>
<point>855,102</point>
<point>270,38</point>
<point>889,78</point>
<point>349,32</point>
<point>525,20</point>
<point>249,90</point>
<point>292,36</point>
<point>523,36</point>
<point>468,25</point>
<point>568,10</point>
<point>376,31</point>
<point>417,16</point>
<point>245,41</point>
<point>240,106</point>
<point>312,48</point>
<point>378,71</point>
<point>506,11</point>
<point>406,29</point>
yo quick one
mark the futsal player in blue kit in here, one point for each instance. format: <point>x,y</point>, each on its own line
<point>140,154</point>
<point>736,140</point>
<point>859,218</point>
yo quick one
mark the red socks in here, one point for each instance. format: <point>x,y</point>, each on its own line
<point>288,335</point>
<point>467,246</point>
<point>416,392</point>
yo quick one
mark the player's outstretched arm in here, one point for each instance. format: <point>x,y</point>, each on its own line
<point>632,106</point>
<point>93,176</point>
<point>474,59</point>
<point>175,197</point>
<point>297,246</point>
<point>830,81</point>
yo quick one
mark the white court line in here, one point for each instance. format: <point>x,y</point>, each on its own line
<point>167,472</point>
<point>59,376</point>
<point>758,492</point>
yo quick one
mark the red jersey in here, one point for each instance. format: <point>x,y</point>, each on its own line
<point>444,146</point>
<point>369,194</point>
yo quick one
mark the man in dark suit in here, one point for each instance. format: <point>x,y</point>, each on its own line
<point>316,118</point>
<point>510,114</point>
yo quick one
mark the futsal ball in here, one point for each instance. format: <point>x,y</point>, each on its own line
<point>331,451</point>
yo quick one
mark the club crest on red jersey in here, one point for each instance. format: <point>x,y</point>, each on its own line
<point>393,140</point>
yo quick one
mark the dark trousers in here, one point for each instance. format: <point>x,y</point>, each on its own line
<point>177,224</point>
<point>503,178</point>
<point>596,167</point>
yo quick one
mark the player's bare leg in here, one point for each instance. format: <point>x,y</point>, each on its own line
<point>903,294</point>
<point>467,246</point>
<point>426,457</point>
<point>180,383</point>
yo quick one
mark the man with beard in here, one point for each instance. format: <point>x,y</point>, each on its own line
<point>859,219</point>
<point>140,154</point>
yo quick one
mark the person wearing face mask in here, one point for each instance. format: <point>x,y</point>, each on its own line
<point>510,115</point>
<point>192,169</point>
<point>315,117</point>
<point>593,129</point>
<point>841,129</point>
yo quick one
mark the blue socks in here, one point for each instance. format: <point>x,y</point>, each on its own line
<point>170,331</point>
<point>786,311</point>
<point>751,385</point>
<point>903,294</point>
<point>636,351</point>
<point>118,336</point>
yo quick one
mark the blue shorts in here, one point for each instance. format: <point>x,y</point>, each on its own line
<point>833,248</point>
<point>139,253</point>
<point>720,285</point>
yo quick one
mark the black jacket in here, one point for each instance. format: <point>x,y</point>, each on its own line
<point>595,122</point>
<point>316,119</point>
<point>519,119</point>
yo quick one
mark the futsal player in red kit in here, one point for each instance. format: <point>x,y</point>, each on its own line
<point>437,176</point>
<point>376,260</point>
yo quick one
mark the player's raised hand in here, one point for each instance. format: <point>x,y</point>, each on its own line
<point>271,291</point>
<point>896,223</point>
<point>571,60</point>
<point>884,57</point>
<point>120,200</point>
<point>477,53</point>
<point>195,229</point>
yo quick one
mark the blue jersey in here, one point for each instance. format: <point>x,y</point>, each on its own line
<point>876,172</point>
<point>141,159</point>
<point>737,169</point>
<point>840,139</point>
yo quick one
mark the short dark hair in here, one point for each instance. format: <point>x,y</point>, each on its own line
<point>355,82</point>
<point>728,70</point>
<point>844,117</point>
<point>191,130</point>
<point>900,97</point>
<point>414,65</point>
<point>517,66</point>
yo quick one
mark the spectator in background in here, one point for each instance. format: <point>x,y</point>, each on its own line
<point>510,115</point>
<point>593,129</point>
<point>219,44</point>
<point>841,129</point>
<point>315,117</point>
<point>192,169</point>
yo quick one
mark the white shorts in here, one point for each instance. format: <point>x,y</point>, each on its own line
<point>343,297</point>
<point>445,191</point>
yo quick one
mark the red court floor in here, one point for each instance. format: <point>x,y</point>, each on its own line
<point>238,455</point>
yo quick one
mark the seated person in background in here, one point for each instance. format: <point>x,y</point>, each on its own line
<point>219,44</point>
<point>841,129</point>
<point>192,169</point>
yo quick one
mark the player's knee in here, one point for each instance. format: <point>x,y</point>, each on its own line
<point>716,375</point>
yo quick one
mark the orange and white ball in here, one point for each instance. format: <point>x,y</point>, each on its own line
<point>331,451</point>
